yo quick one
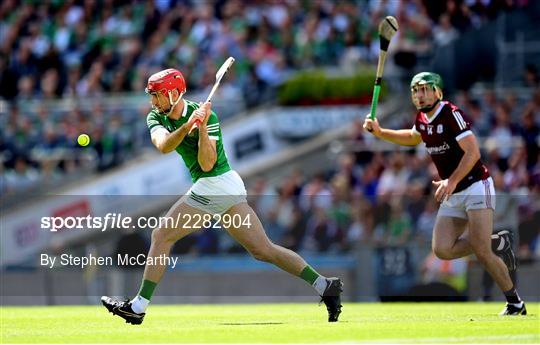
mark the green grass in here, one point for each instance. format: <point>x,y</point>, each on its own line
<point>274,323</point>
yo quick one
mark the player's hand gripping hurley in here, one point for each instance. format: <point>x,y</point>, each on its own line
<point>387,29</point>
<point>219,75</point>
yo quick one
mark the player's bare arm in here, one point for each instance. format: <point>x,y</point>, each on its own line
<point>404,137</point>
<point>167,142</point>
<point>471,155</point>
<point>207,154</point>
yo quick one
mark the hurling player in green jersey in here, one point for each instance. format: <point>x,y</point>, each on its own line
<point>217,190</point>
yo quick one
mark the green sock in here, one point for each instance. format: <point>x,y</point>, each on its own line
<point>309,274</point>
<point>147,289</point>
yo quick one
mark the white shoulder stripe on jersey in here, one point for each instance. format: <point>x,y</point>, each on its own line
<point>213,125</point>
<point>158,128</point>
<point>184,112</point>
<point>463,135</point>
<point>462,120</point>
<point>459,120</point>
<point>213,137</point>
<point>456,117</point>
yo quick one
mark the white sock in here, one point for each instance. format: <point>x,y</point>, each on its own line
<point>320,284</point>
<point>139,304</point>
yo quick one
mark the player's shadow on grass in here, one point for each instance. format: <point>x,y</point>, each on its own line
<point>250,323</point>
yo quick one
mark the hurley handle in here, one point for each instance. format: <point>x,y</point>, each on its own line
<point>375,99</point>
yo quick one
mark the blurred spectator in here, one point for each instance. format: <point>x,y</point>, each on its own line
<point>506,212</point>
<point>346,170</point>
<point>444,32</point>
<point>529,234</point>
<point>532,79</point>
<point>417,168</point>
<point>8,78</point>
<point>322,232</point>
<point>480,121</point>
<point>22,176</point>
<point>370,182</point>
<point>488,104</point>
<point>451,272</point>
<point>426,221</point>
<point>281,215</point>
<point>530,132</point>
<point>415,200</point>
<point>357,137</point>
<point>315,193</point>
<point>360,229</point>
<point>501,138</point>
<point>394,179</point>
<point>399,228</point>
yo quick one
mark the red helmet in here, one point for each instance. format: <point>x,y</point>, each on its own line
<point>165,81</point>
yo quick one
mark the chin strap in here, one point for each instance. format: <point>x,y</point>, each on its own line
<point>171,103</point>
<point>430,108</point>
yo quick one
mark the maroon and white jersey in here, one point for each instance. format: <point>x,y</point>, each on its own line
<point>441,134</point>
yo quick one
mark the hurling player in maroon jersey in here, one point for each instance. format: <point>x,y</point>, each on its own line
<point>465,190</point>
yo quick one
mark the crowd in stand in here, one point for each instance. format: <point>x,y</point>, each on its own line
<point>83,49</point>
<point>42,150</point>
<point>57,50</point>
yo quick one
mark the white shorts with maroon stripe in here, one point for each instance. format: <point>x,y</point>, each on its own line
<point>479,195</point>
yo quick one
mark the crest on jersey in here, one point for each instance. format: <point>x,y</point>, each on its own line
<point>422,127</point>
<point>429,129</point>
<point>439,129</point>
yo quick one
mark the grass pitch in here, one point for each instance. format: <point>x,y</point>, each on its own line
<point>274,323</point>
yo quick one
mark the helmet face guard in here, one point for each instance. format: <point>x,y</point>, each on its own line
<point>165,82</point>
<point>422,82</point>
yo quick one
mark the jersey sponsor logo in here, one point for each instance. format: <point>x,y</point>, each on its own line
<point>437,150</point>
<point>429,129</point>
<point>439,129</point>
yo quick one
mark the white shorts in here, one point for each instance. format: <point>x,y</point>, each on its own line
<point>479,195</point>
<point>216,194</point>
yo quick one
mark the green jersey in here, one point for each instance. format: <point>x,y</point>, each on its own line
<point>189,147</point>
